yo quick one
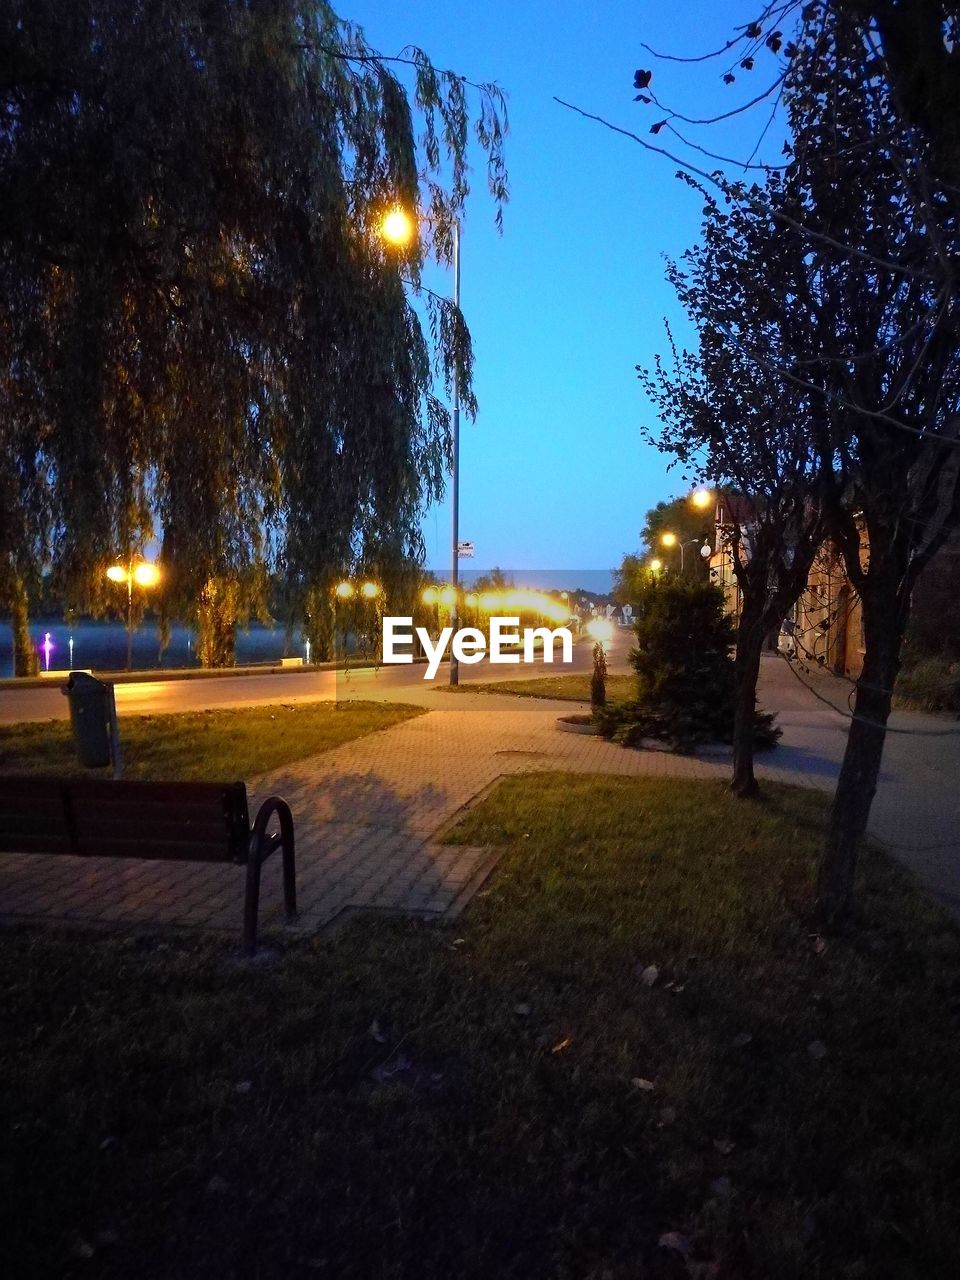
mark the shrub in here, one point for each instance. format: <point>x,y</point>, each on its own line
<point>685,672</point>
<point>932,684</point>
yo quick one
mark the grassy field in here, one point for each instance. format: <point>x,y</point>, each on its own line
<point>570,688</point>
<point>211,745</point>
<point>633,1037</point>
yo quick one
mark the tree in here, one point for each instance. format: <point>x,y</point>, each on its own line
<point>874,338</point>
<point>747,429</point>
<point>222,351</point>
<point>689,523</point>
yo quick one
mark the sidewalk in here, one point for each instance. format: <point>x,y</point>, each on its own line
<point>369,815</point>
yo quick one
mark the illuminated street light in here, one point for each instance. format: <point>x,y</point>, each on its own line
<point>398,228</point>
<point>656,565</point>
<point>701,498</point>
<point>344,591</point>
<point>448,596</point>
<point>429,595</point>
<point>145,575</point>
<point>370,590</point>
<point>668,539</point>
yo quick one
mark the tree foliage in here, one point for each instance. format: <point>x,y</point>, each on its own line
<point>205,339</point>
<point>685,674</point>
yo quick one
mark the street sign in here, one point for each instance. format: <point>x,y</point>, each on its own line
<point>465,550</point>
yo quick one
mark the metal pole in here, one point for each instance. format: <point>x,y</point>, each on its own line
<point>681,558</point>
<point>455,478</point>
<point>130,615</point>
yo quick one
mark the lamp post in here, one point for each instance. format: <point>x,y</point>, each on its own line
<point>671,540</point>
<point>398,228</point>
<point>145,575</point>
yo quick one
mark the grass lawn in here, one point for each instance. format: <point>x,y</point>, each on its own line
<point>570,688</point>
<point>631,1035</point>
<point>206,745</point>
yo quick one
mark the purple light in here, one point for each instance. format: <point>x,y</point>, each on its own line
<point>47,648</point>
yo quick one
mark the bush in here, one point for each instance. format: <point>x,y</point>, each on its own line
<point>932,684</point>
<point>685,672</point>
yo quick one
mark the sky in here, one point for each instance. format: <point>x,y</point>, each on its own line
<point>563,306</point>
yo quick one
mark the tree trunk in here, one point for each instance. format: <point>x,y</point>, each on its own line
<point>750,638</point>
<point>26,661</point>
<point>884,628</point>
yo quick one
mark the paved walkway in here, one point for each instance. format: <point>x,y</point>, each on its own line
<point>368,815</point>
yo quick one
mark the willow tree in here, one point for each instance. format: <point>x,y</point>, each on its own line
<point>228,357</point>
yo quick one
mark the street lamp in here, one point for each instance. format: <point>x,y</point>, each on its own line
<point>145,575</point>
<point>701,498</point>
<point>398,228</point>
<point>671,540</point>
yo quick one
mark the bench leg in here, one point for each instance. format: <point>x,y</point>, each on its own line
<point>261,846</point>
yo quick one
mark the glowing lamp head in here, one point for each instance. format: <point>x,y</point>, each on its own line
<point>397,226</point>
<point>472,599</point>
<point>448,596</point>
<point>701,498</point>
<point>344,590</point>
<point>429,595</point>
<point>117,573</point>
<point>370,590</point>
<point>489,601</point>
<point>656,565</point>
<point>668,539</point>
<point>146,575</point>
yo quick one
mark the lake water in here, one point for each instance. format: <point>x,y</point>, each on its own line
<point>103,646</point>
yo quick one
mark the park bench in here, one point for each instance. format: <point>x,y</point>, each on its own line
<point>176,821</point>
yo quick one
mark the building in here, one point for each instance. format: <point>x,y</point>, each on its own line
<point>825,625</point>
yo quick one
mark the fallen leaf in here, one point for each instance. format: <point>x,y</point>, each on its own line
<point>521,1010</point>
<point>375,1033</point>
<point>559,1047</point>
<point>819,945</point>
<point>81,1248</point>
<point>649,975</point>
<point>107,1143</point>
<point>243,1087</point>
<point>640,1083</point>
<point>741,1040</point>
<point>674,1240</point>
<point>395,1067</point>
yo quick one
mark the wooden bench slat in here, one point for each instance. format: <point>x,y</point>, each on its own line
<point>162,850</point>
<point>148,828</point>
<point>28,842</point>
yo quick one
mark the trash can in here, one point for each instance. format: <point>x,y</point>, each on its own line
<point>90,712</point>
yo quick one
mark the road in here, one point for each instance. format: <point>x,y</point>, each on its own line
<point>395,683</point>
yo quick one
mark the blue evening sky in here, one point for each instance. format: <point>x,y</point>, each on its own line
<point>564,305</point>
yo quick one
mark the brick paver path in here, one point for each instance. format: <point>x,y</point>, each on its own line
<point>368,816</point>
